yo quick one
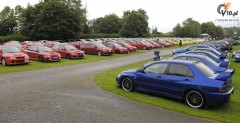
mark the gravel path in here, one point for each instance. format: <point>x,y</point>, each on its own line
<point>69,95</point>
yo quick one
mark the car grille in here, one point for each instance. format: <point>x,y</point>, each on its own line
<point>20,57</point>
<point>20,61</point>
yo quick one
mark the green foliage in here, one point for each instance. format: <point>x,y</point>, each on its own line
<point>108,24</point>
<point>13,37</point>
<point>53,19</point>
<point>8,21</point>
<point>211,29</point>
<point>135,24</point>
<point>229,32</point>
<point>189,28</point>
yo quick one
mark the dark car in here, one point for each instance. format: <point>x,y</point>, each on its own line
<point>236,56</point>
<point>97,48</point>
<point>68,51</point>
<point>42,53</point>
<point>191,81</point>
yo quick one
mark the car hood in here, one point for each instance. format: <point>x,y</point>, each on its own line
<point>131,70</point>
<point>49,53</point>
<point>14,54</point>
<point>74,51</point>
<point>224,63</point>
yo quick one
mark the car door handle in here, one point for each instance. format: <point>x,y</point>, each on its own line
<point>186,79</point>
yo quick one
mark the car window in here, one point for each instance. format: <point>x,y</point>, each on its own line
<point>180,70</point>
<point>192,48</point>
<point>204,69</point>
<point>158,68</point>
<point>88,45</point>
<point>56,47</point>
<point>61,48</point>
<point>195,59</point>
<point>180,58</point>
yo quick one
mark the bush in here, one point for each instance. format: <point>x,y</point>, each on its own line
<point>15,37</point>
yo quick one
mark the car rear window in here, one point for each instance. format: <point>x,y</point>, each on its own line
<point>204,69</point>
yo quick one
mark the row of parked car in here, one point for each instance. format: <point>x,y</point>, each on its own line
<point>14,52</point>
<point>199,75</point>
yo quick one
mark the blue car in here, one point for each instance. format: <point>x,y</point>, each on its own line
<point>213,51</point>
<point>237,58</point>
<point>190,48</point>
<point>223,62</point>
<point>191,81</point>
<point>234,53</point>
<point>205,60</point>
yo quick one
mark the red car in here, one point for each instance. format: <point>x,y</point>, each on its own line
<point>141,45</point>
<point>116,47</point>
<point>50,44</point>
<point>42,53</point>
<point>78,44</point>
<point>68,51</point>
<point>97,48</point>
<point>10,55</point>
<point>129,47</point>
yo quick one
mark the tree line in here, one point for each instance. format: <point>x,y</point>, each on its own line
<point>66,19</point>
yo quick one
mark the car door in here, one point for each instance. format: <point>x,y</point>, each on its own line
<point>151,77</point>
<point>87,48</point>
<point>61,50</point>
<point>35,53</point>
<point>0,54</point>
<point>178,77</point>
<point>29,51</point>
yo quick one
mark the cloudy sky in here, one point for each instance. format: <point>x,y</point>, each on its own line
<point>164,14</point>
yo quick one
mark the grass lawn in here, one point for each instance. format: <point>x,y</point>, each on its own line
<point>35,65</point>
<point>225,113</point>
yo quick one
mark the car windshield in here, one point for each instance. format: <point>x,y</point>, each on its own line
<point>70,47</point>
<point>10,50</point>
<point>125,44</point>
<point>216,52</point>
<point>116,45</point>
<point>56,43</point>
<point>213,55</point>
<point>211,61</point>
<point>99,45</point>
<point>38,44</point>
<point>44,49</point>
<point>204,69</point>
<point>15,45</point>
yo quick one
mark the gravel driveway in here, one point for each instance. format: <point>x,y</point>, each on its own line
<point>69,95</point>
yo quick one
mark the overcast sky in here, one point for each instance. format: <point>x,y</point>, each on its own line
<point>164,14</point>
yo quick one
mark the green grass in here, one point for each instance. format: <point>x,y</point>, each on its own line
<point>35,65</point>
<point>229,112</point>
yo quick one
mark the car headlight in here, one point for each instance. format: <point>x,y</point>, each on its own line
<point>12,58</point>
<point>119,75</point>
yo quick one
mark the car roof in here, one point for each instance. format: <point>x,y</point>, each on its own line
<point>175,61</point>
<point>193,55</point>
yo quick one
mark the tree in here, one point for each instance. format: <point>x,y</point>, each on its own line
<point>177,31</point>
<point>135,24</point>
<point>52,19</point>
<point>108,24</point>
<point>191,28</point>
<point>8,21</point>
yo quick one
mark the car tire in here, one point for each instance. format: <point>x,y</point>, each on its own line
<point>195,99</point>
<point>99,53</point>
<point>4,62</point>
<point>68,56</point>
<point>40,58</point>
<point>127,84</point>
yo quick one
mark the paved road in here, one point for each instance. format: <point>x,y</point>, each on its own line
<point>69,95</point>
